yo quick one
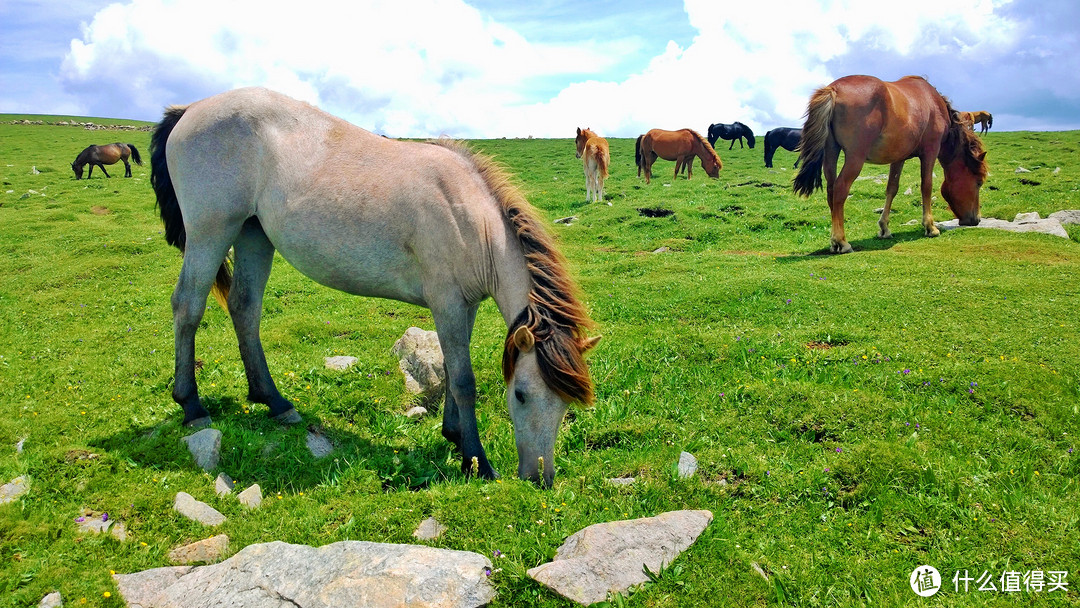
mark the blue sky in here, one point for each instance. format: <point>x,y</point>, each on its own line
<point>490,68</point>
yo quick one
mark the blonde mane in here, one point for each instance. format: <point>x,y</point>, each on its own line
<point>555,314</point>
<point>708,149</point>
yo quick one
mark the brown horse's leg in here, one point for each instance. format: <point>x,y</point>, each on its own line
<point>890,191</point>
<point>127,167</point>
<point>254,255</point>
<point>102,167</point>
<point>926,170</point>
<point>839,187</point>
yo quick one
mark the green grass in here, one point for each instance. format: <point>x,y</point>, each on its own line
<point>911,403</point>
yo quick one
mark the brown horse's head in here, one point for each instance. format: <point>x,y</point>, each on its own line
<point>964,160</point>
<point>583,136</point>
<point>710,160</point>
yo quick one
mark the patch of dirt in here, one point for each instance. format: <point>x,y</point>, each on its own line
<point>99,210</point>
<point>1029,182</point>
<point>654,212</point>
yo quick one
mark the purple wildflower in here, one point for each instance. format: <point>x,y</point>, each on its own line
<point>487,571</point>
<point>838,450</point>
<point>496,553</point>
<point>104,517</point>
<point>1070,450</point>
<point>80,519</point>
<point>826,469</point>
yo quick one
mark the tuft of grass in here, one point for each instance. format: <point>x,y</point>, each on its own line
<point>853,416</point>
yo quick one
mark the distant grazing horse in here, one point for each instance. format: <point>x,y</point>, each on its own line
<point>983,119</point>
<point>680,146</point>
<point>734,131</point>
<point>593,152</point>
<point>966,119</point>
<point>108,154</point>
<point>782,137</point>
<point>430,224</point>
<point>887,123</point>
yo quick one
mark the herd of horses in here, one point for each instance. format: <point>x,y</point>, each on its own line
<point>437,225</point>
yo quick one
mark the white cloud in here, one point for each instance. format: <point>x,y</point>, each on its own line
<point>432,67</point>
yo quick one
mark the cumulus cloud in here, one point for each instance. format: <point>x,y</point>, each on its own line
<point>434,67</point>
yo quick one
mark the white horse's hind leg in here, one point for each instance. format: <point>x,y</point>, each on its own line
<point>201,262</point>
<point>253,258</point>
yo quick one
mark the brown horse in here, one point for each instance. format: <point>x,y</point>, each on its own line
<point>593,152</point>
<point>109,154</point>
<point>966,119</point>
<point>680,146</point>
<point>887,123</point>
<point>983,119</point>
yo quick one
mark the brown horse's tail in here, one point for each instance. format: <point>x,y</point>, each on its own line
<point>637,154</point>
<point>168,205</point>
<point>815,133</point>
<point>602,158</point>
<point>135,155</point>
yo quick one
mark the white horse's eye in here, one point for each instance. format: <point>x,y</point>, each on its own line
<point>520,396</point>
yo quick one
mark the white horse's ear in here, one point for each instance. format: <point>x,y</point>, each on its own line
<point>590,343</point>
<point>524,339</point>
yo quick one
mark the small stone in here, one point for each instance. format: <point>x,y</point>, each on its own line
<point>1066,217</point>
<point>1023,218</point>
<point>687,465</point>
<point>621,481</point>
<point>205,448</point>
<point>759,571</point>
<point>251,497</point>
<point>19,445</point>
<point>340,363</point>
<point>94,523</point>
<point>53,600</point>
<point>1022,170</point>
<point>429,529</point>
<point>908,191</point>
<point>421,361</point>
<point>223,485</point>
<point>207,551</point>
<point>318,444</point>
<point>186,505</point>
<point>661,250</point>
<point>566,220</point>
<point>416,412</point>
<point>14,489</point>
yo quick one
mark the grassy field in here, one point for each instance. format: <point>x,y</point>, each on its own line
<point>915,402</point>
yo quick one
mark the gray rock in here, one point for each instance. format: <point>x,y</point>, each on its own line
<point>687,465</point>
<point>19,445</point>
<point>318,444</point>
<point>566,220</point>
<point>421,360</point>
<point>340,363</point>
<point>223,485</point>
<point>346,573</point>
<point>251,497</point>
<point>205,448</point>
<point>14,489</point>
<point>1022,170</point>
<point>53,600</point>
<point>661,250</point>
<point>429,529</point>
<point>416,412</point>
<point>95,524</point>
<point>208,551</point>
<point>1071,216</point>
<point>186,505</point>
<point>621,481</point>
<point>609,558</point>
<point>1045,226</point>
<point>1022,218</point>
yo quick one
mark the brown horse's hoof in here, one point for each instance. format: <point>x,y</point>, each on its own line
<point>844,247</point>
<point>199,423</point>
<point>288,417</point>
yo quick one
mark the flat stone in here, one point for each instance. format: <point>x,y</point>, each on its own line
<point>96,523</point>
<point>318,444</point>
<point>14,489</point>
<point>610,557</point>
<point>186,505</point>
<point>421,361</point>
<point>53,600</point>
<point>416,412</point>
<point>205,448</point>
<point>1071,216</point>
<point>661,250</point>
<point>207,551</point>
<point>223,485</point>
<point>340,363</point>
<point>1046,226</point>
<point>1022,170</point>
<point>687,465</point>
<point>1027,217</point>
<point>251,497</point>
<point>429,529</point>
<point>621,481</point>
<point>345,573</point>
<point>566,220</point>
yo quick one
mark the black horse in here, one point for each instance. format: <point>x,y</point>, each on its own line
<point>735,130</point>
<point>782,137</point>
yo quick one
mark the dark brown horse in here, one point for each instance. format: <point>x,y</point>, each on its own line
<point>109,154</point>
<point>886,123</point>
<point>680,146</point>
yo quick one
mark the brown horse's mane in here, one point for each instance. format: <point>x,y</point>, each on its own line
<point>959,140</point>
<point>708,149</point>
<point>555,314</point>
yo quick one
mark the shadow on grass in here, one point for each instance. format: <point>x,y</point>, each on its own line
<point>256,449</point>
<point>870,244</point>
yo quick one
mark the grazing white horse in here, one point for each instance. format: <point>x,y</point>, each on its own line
<point>593,152</point>
<point>426,223</point>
